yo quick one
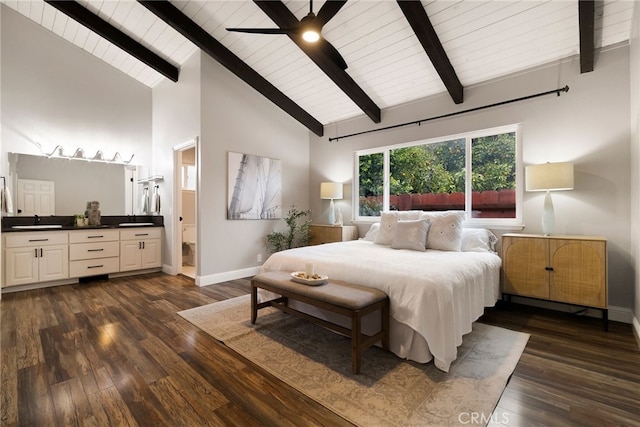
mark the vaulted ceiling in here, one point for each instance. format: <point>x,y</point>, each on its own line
<point>395,52</point>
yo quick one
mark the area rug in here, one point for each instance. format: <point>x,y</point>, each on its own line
<point>388,391</point>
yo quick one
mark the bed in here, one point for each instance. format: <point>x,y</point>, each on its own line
<point>435,293</point>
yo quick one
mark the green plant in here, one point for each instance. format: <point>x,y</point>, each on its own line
<point>296,235</point>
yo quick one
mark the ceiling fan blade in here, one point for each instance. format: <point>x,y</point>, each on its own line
<point>332,53</point>
<point>329,10</point>
<point>262,30</point>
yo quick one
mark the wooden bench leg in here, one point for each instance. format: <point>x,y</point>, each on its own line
<point>254,303</point>
<point>384,313</point>
<point>356,342</point>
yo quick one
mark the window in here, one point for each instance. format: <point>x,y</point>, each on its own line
<point>476,172</point>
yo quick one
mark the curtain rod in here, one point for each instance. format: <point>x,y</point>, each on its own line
<point>419,122</point>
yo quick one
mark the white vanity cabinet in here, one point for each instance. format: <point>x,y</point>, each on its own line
<point>94,252</point>
<point>35,257</point>
<point>140,248</point>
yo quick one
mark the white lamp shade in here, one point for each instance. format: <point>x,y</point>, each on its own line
<point>549,176</point>
<point>331,190</point>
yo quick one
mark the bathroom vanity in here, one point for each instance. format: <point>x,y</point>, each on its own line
<point>47,254</point>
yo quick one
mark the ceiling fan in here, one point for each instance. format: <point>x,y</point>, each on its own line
<point>309,29</point>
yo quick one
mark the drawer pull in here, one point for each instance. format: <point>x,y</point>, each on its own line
<point>38,240</point>
<point>142,234</point>
<point>549,268</point>
<point>95,250</point>
<point>94,237</point>
<point>95,266</point>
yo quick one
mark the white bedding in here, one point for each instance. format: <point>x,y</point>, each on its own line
<point>437,294</point>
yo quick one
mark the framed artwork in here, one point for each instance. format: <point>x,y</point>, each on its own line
<point>254,187</point>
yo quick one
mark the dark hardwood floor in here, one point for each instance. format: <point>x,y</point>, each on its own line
<point>115,353</point>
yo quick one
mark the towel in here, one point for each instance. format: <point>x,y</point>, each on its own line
<point>144,203</point>
<point>156,205</point>
<point>155,200</point>
<point>6,204</point>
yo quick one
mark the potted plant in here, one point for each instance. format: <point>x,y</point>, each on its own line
<point>296,235</point>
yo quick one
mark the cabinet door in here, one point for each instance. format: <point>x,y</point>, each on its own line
<point>579,272</point>
<point>130,255</point>
<point>524,262</point>
<point>54,262</point>
<point>21,266</point>
<point>151,254</point>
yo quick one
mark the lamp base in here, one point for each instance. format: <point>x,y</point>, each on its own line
<point>548,217</point>
<point>332,213</point>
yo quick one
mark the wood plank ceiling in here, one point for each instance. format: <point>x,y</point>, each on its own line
<point>395,53</point>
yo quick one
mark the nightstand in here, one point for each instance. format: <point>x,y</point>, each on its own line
<point>565,269</point>
<point>324,233</point>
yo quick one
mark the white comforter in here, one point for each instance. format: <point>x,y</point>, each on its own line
<point>437,294</point>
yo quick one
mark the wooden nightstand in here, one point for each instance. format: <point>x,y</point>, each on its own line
<point>565,269</point>
<point>324,233</point>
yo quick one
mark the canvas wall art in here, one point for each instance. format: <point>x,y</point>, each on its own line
<point>255,187</point>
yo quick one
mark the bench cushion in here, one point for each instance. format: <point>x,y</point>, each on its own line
<point>341,294</point>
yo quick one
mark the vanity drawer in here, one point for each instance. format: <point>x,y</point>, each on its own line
<point>97,235</point>
<point>95,250</point>
<point>94,267</point>
<point>17,240</point>
<point>141,233</point>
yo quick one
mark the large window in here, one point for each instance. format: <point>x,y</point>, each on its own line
<point>476,172</point>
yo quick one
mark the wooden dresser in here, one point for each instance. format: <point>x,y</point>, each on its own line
<point>324,233</point>
<point>566,269</point>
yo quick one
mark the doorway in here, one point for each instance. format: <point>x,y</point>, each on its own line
<point>185,205</point>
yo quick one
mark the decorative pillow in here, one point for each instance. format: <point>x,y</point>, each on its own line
<point>372,233</point>
<point>445,233</point>
<point>411,234</point>
<point>478,240</point>
<point>388,222</point>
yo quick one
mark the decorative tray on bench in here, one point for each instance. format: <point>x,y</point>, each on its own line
<point>314,280</point>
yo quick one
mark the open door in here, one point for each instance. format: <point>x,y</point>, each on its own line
<point>185,224</point>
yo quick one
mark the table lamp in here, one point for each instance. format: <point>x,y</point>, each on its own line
<point>331,190</point>
<point>549,177</point>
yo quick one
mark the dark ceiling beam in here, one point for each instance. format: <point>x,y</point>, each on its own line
<point>93,22</point>
<point>421,25</point>
<point>283,18</point>
<point>586,13</point>
<point>212,47</point>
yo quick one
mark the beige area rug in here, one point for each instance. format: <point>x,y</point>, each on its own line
<point>389,391</point>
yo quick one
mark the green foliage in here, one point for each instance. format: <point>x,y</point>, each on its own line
<point>438,168</point>
<point>296,235</point>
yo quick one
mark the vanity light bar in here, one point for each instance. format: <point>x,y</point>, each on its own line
<point>79,155</point>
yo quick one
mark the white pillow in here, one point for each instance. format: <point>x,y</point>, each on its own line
<point>388,222</point>
<point>411,234</point>
<point>478,240</point>
<point>445,233</point>
<point>372,232</point>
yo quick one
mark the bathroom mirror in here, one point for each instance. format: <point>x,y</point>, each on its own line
<point>77,182</point>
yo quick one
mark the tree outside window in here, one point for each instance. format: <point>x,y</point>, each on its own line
<point>433,176</point>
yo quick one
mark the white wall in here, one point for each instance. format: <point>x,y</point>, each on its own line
<point>588,126</point>
<point>176,120</point>
<point>55,93</point>
<point>635,159</point>
<point>236,118</point>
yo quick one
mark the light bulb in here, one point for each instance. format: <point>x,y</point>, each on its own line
<point>311,36</point>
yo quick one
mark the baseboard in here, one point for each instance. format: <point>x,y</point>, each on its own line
<point>617,314</point>
<point>636,330</point>
<point>212,279</point>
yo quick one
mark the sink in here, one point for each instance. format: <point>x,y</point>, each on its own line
<point>36,227</point>
<point>135,224</point>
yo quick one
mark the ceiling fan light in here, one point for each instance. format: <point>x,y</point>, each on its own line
<point>311,35</point>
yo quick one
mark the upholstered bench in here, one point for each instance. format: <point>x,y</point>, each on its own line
<point>339,297</point>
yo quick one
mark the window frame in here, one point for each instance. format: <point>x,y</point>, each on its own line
<point>495,223</point>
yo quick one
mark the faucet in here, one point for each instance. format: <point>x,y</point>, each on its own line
<point>37,219</point>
